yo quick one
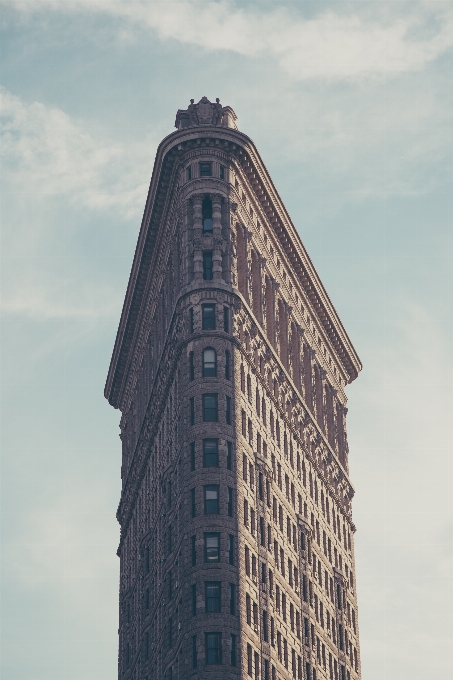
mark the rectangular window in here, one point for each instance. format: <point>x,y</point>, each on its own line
<point>194,652</point>
<point>233,660</point>
<point>230,502</point>
<point>210,452</point>
<point>232,599</point>
<point>265,632</point>
<point>228,410</point>
<point>226,319</point>
<point>193,550</point>
<point>266,669</point>
<point>207,265</point>
<point>208,317</point>
<point>210,409</point>
<point>246,512</point>
<point>170,633</point>
<point>257,666</point>
<point>212,547</point>
<point>191,367</point>
<point>213,648</point>
<point>192,456</point>
<point>205,169</point>
<point>231,549</point>
<point>211,499</point>
<point>189,173</point>
<point>222,172</point>
<point>193,507</point>
<point>229,456</point>
<point>191,320</point>
<point>247,560</point>
<point>212,596</point>
<point>192,410</point>
<point>194,599</point>
<point>249,660</point>
<point>227,365</point>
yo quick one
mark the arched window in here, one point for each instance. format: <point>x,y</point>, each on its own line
<point>209,362</point>
<point>206,211</point>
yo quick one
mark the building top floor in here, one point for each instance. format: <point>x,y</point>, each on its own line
<point>210,160</point>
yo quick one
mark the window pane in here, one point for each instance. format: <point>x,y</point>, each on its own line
<point>205,170</point>
<point>208,320</point>
<point>212,547</point>
<point>207,265</point>
<point>210,453</point>
<point>210,408</point>
<point>212,596</point>
<point>209,363</point>
<point>211,499</point>
<point>213,648</point>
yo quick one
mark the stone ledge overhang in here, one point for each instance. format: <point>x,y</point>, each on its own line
<point>167,156</point>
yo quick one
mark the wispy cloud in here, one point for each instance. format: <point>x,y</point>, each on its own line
<point>47,153</point>
<point>365,42</point>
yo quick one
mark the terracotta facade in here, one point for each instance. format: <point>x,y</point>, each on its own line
<point>229,369</point>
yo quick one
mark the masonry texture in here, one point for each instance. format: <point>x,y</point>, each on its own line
<point>229,369</point>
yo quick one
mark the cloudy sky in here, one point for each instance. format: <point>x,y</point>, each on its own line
<point>350,106</point>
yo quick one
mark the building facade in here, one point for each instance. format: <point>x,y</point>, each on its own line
<point>229,369</point>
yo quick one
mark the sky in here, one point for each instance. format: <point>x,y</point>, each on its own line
<point>350,106</point>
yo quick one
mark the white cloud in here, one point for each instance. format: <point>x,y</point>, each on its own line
<point>331,46</point>
<point>45,152</point>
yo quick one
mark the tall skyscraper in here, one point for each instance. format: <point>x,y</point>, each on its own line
<point>229,369</point>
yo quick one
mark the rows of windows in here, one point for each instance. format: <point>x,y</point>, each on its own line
<point>333,555</point>
<point>328,509</point>
<point>208,318</point>
<point>211,550</point>
<point>209,364</point>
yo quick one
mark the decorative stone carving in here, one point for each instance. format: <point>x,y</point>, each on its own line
<point>205,113</point>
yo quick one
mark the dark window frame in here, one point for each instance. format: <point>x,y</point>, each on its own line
<point>208,313</point>
<point>213,597</point>
<point>205,169</point>
<point>210,504</point>
<point>210,412</point>
<point>207,536</point>
<point>210,458</point>
<point>213,653</point>
<point>208,271</point>
<point>209,372</point>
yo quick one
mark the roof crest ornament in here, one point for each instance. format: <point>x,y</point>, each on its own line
<point>205,113</point>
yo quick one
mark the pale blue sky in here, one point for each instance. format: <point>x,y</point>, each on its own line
<point>350,106</point>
